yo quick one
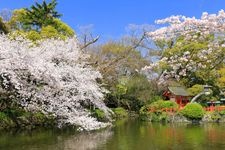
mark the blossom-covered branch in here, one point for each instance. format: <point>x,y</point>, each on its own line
<point>51,77</point>
<point>190,45</point>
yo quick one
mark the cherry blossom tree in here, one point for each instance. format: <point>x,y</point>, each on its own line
<point>52,77</point>
<point>192,49</point>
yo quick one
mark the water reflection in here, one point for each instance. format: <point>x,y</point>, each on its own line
<point>127,135</point>
<point>135,135</point>
<point>87,141</point>
<point>53,140</point>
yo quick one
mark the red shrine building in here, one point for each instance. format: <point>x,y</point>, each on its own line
<point>178,94</point>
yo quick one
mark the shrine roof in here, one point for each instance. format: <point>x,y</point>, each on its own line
<point>178,90</point>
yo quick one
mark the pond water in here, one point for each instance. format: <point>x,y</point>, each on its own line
<point>126,135</point>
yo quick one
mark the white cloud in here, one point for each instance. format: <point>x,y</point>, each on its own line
<point>146,27</point>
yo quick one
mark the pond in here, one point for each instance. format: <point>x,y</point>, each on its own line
<point>126,135</point>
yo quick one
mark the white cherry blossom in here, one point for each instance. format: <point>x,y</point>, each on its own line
<point>52,77</point>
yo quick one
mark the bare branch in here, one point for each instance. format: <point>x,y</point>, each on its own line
<point>88,43</point>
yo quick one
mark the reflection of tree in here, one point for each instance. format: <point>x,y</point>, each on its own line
<point>54,140</point>
<point>214,133</point>
<point>87,141</point>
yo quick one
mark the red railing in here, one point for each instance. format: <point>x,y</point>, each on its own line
<point>214,108</point>
<point>171,110</point>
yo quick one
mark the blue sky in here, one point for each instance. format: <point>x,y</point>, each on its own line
<point>109,18</point>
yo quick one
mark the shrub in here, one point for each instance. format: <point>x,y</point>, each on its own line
<point>144,110</point>
<point>39,118</point>
<point>169,104</point>
<point>158,115</point>
<point>154,99</point>
<point>193,111</point>
<point>215,116</point>
<point>160,104</point>
<point>5,121</point>
<point>3,116</point>
<point>222,112</point>
<point>99,114</point>
<point>120,112</point>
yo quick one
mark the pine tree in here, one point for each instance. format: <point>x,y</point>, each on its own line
<point>40,15</point>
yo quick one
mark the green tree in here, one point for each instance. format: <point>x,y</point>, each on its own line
<point>40,15</point>
<point>39,22</point>
<point>192,62</point>
<point>132,92</point>
<point>192,50</point>
<point>141,89</point>
<point>63,28</point>
<point>115,60</point>
<point>195,89</point>
<point>220,81</point>
<point>18,19</point>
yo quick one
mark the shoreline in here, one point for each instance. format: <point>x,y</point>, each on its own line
<point>209,117</point>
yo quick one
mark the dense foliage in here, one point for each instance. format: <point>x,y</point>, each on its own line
<point>120,112</point>
<point>131,93</point>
